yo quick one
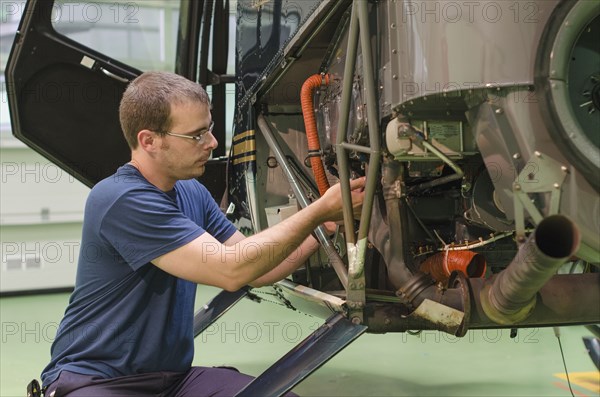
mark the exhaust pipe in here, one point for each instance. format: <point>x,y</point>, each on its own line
<point>412,287</point>
<point>510,296</point>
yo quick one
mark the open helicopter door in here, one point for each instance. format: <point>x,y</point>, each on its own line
<point>64,96</point>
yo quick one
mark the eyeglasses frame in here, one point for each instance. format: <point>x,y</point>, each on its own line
<point>199,138</point>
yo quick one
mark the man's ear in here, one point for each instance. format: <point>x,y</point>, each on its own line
<point>146,140</point>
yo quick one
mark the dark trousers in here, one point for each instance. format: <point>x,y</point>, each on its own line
<point>197,382</point>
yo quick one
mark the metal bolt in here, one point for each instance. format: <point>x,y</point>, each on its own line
<point>516,156</point>
<point>563,168</point>
<point>556,186</point>
<point>272,162</point>
<point>395,77</point>
<point>517,187</point>
<point>356,321</point>
<point>394,51</point>
<point>393,26</point>
<point>537,154</point>
<point>387,321</point>
<point>499,111</point>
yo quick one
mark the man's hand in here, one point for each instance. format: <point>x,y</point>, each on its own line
<point>332,200</point>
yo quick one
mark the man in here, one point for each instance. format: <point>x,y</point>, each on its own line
<point>150,233</point>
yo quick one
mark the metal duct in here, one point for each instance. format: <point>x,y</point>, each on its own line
<point>511,296</point>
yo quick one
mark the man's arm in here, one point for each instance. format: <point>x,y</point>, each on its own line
<point>294,260</point>
<point>206,261</point>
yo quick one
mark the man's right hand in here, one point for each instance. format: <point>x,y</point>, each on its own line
<point>332,199</point>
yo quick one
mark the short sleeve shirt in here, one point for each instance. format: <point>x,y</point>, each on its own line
<point>127,316</point>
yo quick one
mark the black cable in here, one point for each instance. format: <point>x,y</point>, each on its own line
<point>557,333</point>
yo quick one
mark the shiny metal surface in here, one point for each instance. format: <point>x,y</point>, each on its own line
<point>508,134</point>
<point>442,47</point>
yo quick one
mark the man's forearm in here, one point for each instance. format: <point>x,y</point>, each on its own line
<point>298,257</point>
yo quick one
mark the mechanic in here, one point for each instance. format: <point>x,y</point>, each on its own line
<point>151,232</point>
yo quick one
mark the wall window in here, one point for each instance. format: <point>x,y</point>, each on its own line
<point>142,34</point>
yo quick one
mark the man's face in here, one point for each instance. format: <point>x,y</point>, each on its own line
<point>184,158</point>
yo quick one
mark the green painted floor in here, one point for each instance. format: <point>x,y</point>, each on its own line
<point>252,336</point>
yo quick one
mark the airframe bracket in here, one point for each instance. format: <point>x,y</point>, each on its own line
<point>541,174</point>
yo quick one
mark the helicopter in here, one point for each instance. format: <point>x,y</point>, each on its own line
<point>476,126</point>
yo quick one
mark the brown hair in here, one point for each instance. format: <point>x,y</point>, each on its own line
<point>146,103</point>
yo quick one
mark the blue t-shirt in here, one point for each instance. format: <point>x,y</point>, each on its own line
<point>127,316</point>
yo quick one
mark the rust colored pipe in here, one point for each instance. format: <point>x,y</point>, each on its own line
<point>442,264</point>
<point>310,123</point>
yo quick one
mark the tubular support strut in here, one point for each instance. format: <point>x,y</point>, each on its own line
<point>334,257</point>
<point>359,24</point>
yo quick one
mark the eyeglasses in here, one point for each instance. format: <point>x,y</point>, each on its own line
<point>199,138</point>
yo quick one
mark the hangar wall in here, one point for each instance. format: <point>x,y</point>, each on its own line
<point>41,206</point>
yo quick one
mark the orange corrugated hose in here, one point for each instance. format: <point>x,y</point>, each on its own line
<point>310,123</point>
<point>442,264</point>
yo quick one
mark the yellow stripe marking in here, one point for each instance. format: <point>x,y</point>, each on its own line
<point>243,147</point>
<point>245,159</point>
<point>587,380</point>
<point>243,135</point>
